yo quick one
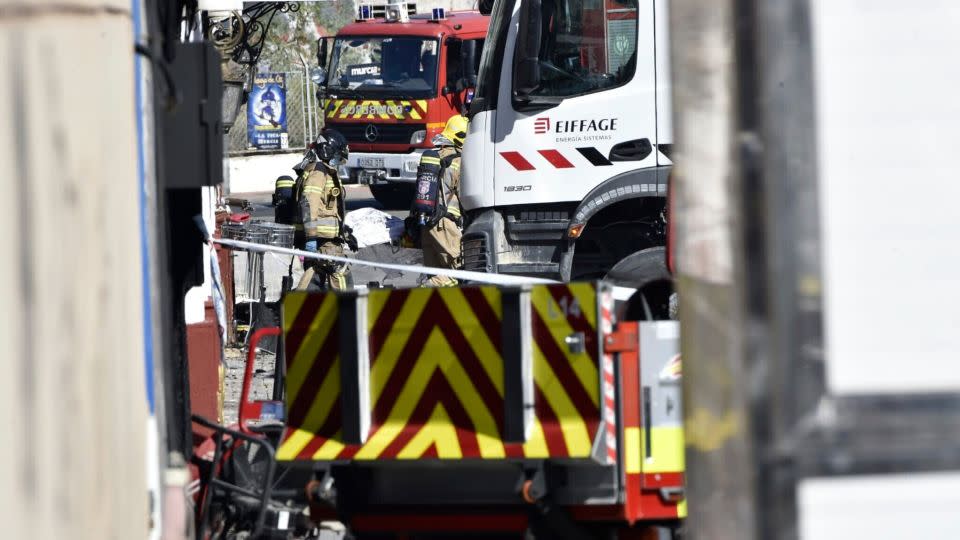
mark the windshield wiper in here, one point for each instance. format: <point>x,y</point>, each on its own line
<point>393,89</point>
<point>343,91</point>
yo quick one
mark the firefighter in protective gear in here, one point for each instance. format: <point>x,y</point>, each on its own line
<point>437,202</point>
<point>319,202</point>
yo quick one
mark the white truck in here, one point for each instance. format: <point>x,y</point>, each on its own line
<point>568,151</point>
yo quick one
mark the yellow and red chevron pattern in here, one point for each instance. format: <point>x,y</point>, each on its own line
<point>436,376</point>
<point>363,109</point>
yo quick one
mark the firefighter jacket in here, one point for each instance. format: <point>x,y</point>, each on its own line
<point>319,197</point>
<point>450,162</point>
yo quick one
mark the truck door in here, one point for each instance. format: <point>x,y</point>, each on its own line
<point>589,111</point>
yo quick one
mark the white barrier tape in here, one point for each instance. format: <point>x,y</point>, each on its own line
<point>619,293</point>
<point>482,277</point>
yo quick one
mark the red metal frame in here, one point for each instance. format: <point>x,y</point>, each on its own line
<point>626,343</point>
<point>642,497</point>
<point>251,410</point>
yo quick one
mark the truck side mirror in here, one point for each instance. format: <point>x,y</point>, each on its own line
<point>526,61</point>
<point>468,62</point>
<point>454,65</point>
<point>485,6</point>
<point>322,53</point>
<point>318,75</point>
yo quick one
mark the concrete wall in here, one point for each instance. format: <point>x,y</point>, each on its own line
<point>72,457</point>
<point>257,173</point>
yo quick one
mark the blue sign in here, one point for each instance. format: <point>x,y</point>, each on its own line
<point>267,112</point>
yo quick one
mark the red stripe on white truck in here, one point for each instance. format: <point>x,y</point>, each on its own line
<point>518,161</point>
<point>556,159</point>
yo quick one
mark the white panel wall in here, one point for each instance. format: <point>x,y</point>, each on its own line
<point>888,114</point>
<point>893,507</point>
<point>258,173</point>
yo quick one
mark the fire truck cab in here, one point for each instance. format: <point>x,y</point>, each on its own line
<point>390,81</point>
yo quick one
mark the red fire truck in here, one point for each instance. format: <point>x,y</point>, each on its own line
<point>389,83</point>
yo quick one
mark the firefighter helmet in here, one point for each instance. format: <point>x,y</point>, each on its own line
<point>330,145</point>
<point>456,130</point>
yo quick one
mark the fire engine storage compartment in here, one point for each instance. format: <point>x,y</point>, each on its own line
<point>455,397</point>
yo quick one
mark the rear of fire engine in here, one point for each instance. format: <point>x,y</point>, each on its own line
<point>483,409</point>
<point>567,157</point>
<point>393,78</point>
<point>489,410</point>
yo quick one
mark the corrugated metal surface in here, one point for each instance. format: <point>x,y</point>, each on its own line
<point>72,460</point>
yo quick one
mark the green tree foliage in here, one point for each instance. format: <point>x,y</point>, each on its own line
<point>295,33</point>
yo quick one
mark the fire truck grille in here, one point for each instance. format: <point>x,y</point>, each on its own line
<point>374,133</point>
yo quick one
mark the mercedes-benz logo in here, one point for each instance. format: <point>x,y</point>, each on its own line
<point>372,133</point>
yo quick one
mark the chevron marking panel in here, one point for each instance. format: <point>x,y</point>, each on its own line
<point>436,377</point>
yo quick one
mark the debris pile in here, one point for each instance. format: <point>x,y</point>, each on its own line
<point>371,226</point>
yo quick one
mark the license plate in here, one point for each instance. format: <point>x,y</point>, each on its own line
<point>371,162</point>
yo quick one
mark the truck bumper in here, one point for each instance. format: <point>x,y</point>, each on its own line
<point>517,243</point>
<point>383,168</point>
<point>365,486</point>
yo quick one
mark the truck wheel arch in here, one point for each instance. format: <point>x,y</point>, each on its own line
<point>646,271</point>
<point>640,183</point>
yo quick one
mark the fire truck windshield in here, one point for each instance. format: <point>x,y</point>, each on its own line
<point>387,66</point>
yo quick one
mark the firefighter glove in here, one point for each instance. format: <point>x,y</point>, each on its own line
<point>350,239</point>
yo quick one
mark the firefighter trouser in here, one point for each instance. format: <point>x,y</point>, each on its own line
<point>324,274</point>
<point>441,249</point>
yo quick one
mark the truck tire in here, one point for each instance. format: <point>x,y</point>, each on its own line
<point>646,271</point>
<point>393,196</point>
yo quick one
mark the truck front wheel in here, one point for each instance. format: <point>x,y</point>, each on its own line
<point>646,271</point>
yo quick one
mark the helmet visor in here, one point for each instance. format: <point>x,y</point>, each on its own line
<point>441,140</point>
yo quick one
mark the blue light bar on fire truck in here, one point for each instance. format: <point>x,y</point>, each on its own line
<point>439,14</point>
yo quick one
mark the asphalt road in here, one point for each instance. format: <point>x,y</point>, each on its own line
<point>259,206</point>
